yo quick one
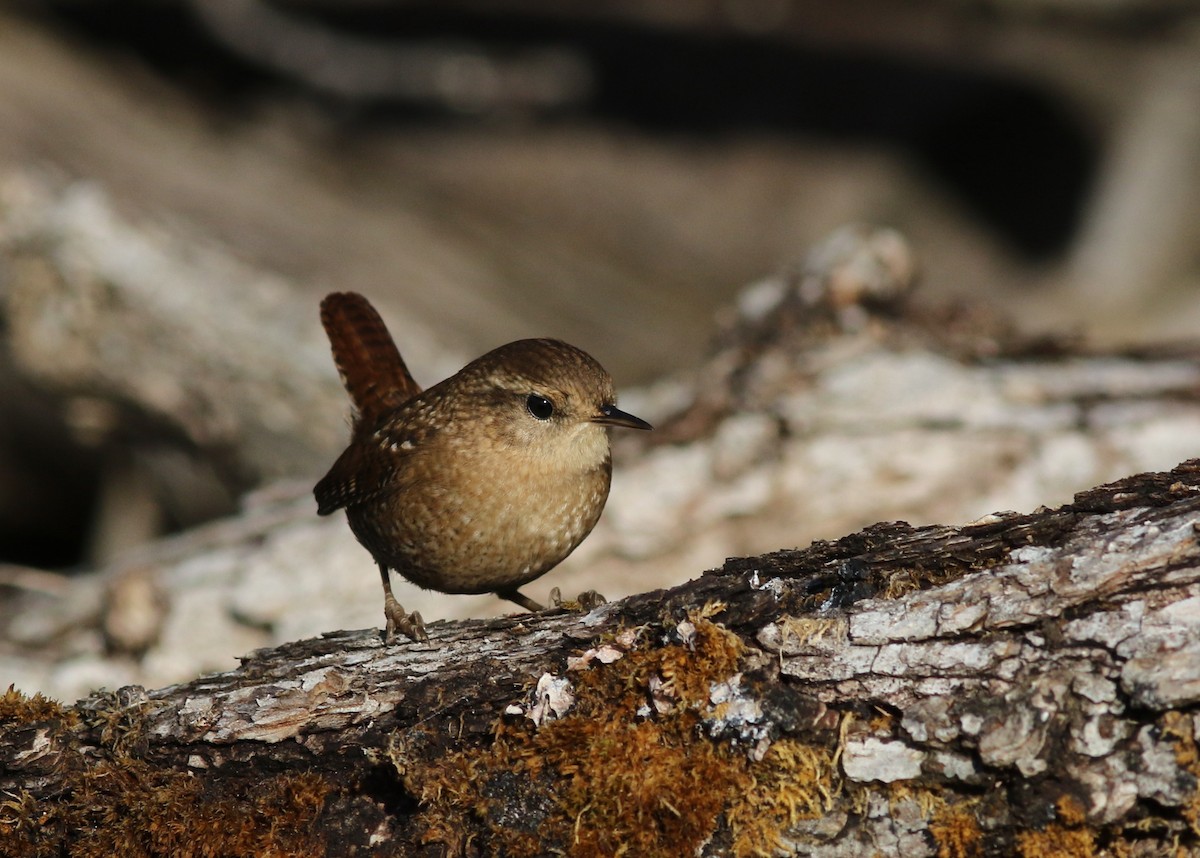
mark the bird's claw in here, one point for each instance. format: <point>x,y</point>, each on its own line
<point>409,625</point>
<point>586,601</point>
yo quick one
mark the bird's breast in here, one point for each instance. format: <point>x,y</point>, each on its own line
<point>489,523</point>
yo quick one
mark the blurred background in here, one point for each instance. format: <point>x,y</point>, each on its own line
<point>181,181</point>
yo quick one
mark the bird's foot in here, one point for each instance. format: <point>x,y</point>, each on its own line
<point>409,625</point>
<point>586,601</point>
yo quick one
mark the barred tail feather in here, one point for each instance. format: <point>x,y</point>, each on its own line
<point>367,359</point>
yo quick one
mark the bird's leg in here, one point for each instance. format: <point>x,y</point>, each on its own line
<point>517,597</point>
<point>586,601</point>
<point>409,625</point>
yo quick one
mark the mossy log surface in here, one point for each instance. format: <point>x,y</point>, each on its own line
<point>1024,685</point>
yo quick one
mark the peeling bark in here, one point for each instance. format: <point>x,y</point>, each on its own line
<point>1022,685</point>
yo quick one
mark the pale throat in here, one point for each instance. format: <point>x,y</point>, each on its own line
<point>575,449</point>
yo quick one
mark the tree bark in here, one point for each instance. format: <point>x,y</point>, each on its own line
<point>1023,685</point>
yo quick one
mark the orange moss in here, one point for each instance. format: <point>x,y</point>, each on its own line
<point>1056,841</point>
<point>649,788</point>
<point>606,781</point>
<point>1068,838</point>
<point>794,781</point>
<point>901,581</point>
<point>710,656</point>
<point>956,832</point>
<point>882,724</point>
<point>19,708</point>
<point>1177,726</point>
<point>129,808</point>
<point>1071,811</point>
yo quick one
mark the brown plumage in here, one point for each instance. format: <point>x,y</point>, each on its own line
<point>366,357</point>
<point>480,483</point>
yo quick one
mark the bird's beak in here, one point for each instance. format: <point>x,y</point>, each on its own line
<point>610,415</point>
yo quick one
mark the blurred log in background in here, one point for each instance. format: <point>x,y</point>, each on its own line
<point>181,181</point>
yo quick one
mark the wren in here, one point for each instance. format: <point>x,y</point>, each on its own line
<point>479,484</point>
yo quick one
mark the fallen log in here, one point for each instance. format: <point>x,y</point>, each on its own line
<point>1022,685</point>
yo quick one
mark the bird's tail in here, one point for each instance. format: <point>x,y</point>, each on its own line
<point>366,356</point>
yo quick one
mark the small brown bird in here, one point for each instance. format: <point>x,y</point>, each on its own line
<point>480,483</point>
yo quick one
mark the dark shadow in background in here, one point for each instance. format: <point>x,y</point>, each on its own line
<point>1008,151</point>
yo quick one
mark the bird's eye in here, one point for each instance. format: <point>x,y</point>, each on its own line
<point>539,406</point>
